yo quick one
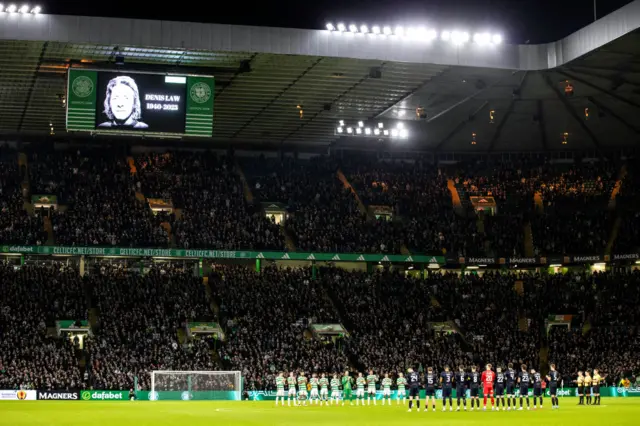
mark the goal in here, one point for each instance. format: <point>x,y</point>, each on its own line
<point>196,385</point>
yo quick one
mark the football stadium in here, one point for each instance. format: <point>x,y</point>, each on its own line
<point>365,223</point>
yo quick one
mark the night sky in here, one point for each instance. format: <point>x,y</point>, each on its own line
<point>520,21</point>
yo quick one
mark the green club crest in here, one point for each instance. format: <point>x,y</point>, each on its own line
<point>200,92</point>
<point>86,395</point>
<point>82,86</point>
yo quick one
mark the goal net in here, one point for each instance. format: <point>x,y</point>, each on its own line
<point>196,385</point>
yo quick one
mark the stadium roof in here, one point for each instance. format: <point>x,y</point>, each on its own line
<point>264,74</point>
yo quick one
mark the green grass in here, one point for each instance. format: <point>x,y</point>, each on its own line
<point>613,411</point>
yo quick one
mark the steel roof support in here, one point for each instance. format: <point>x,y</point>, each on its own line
<point>512,104</point>
<point>607,110</point>
<point>460,125</point>
<point>34,78</point>
<point>603,90</point>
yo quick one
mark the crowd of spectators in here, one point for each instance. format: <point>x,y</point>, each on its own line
<point>266,316</point>
<point>33,298</point>
<point>139,316</point>
<point>210,194</point>
<point>16,225</point>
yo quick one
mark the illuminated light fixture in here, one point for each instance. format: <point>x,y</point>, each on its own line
<point>555,265</point>
<point>412,32</point>
<point>473,138</point>
<point>403,133</point>
<point>565,138</point>
<point>36,10</point>
<point>12,8</point>
<point>1,7</point>
<point>459,38</point>
<point>376,132</point>
<point>431,35</point>
<point>349,130</point>
<point>360,124</point>
<point>367,131</point>
<point>482,38</point>
<point>421,32</point>
<point>400,125</point>
<point>364,29</point>
<point>340,130</point>
<point>387,31</point>
<point>472,267</point>
<point>330,27</point>
<point>353,28</point>
<point>492,116</point>
<point>399,31</point>
<point>380,125</point>
<point>385,132</point>
<point>341,27</point>
<point>445,36</point>
<point>496,39</point>
<point>586,113</point>
<point>359,130</point>
<point>341,122</point>
<point>375,29</point>
<point>394,133</point>
<point>24,8</point>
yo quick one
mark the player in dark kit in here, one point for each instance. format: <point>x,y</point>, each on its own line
<point>537,387</point>
<point>511,377</point>
<point>500,381</point>
<point>446,378</point>
<point>553,378</point>
<point>524,380</point>
<point>430,388</point>
<point>414,388</point>
<point>461,387</point>
<point>474,389</point>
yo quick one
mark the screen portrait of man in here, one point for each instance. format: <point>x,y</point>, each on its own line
<point>122,104</point>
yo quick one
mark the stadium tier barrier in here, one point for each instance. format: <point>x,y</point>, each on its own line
<point>111,395</point>
<point>312,256</point>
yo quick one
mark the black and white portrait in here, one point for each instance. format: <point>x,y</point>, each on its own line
<point>122,104</point>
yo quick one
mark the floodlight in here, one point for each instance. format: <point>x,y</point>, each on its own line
<point>482,38</point>
<point>400,125</point>
<point>367,131</point>
<point>394,132</point>
<point>432,35</point>
<point>360,124</point>
<point>380,125</point>
<point>36,10</point>
<point>399,31</point>
<point>24,8</point>
<point>358,130</point>
<point>349,130</point>
<point>340,130</point>
<point>341,27</point>
<point>459,38</point>
<point>412,32</point>
<point>341,122</point>
<point>376,132</point>
<point>404,133</point>
<point>421,32</point>
<point>387,30</point>
<point>497,39</point>
<point>386,132</point>
<point>12,8</point>
<point>1,7</point>
<point>330,26</point>
<point>364,29</point>
<point>353,28</point>
<point>446,35</point>
<point>375,29</point>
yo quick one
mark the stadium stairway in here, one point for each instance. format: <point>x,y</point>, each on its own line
<point>523,323</point>
<point>616,188</point>
<point>528,239</point>
<point>537,198</point>
<point>213,304</point>
<point>615,229</point>
<point>337,303</point>
<point>170,236</point>
<point>48,227</point>
<point>455,198</point>
<point>132,165</point>
<point>248,195</point>
<point>348,186</point>
<point>544,359</point>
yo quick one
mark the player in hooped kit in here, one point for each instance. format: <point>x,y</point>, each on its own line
<point>401,382</point>
<point>280,388</point>
<point>553,378</point>
<point>302,388</point>
<point>386,389</point>
<point>314,397</point>
<point>511,377</point>
<point>537,387</point>
<point>371,387</point>
<point>414,388</point>
<point>524,380</point>
<point>500,379</point>
<point>446,378</point>
<point>461,391</point>
<point>324,389</point>
<point>474,390</point>
<point>488,376</point>
<point>430,389</point>
<point>291,382</point>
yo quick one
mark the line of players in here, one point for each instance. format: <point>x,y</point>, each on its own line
<point>507,381</point>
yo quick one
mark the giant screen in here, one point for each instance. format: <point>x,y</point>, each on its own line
<point>133,102</point>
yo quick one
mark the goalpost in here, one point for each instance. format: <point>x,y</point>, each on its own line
<point>196,385</point>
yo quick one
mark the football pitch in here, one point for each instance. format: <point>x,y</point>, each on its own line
<point>613,411</point>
